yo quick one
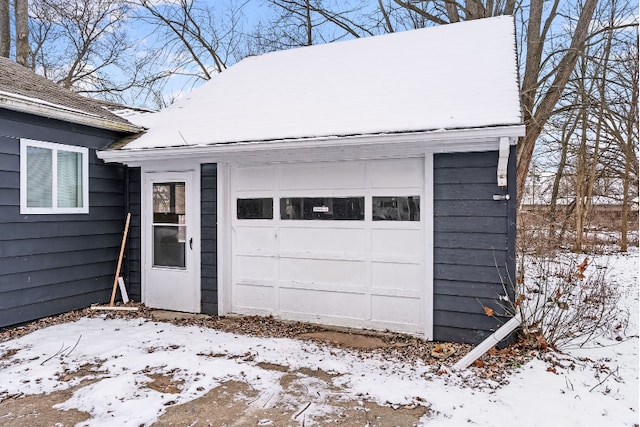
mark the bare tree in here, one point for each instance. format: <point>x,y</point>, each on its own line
<point>83,45</point>
<point>587,135</point>
<point>620,121</point>
<point>539,97</point>
<point>307,22</point>
<point>21,22</point>
<point>21,9</point>
<point>448,11</point>
<point>5,29</point>
<point>196,40</point>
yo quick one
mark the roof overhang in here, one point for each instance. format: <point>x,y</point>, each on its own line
<point>459,140</point>
<point>41,108</point>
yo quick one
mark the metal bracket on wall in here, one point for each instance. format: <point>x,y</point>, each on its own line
<point>503,160</point>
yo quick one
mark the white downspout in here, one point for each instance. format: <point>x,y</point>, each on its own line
<point>503,161</point>
<point>485,345</point>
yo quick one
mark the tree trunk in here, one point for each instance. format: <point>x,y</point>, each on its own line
<point>566,135</point>
<point>22,32</point>
<point>385,14</point>
<point>308,23</point>
<point>600,75</point>
<point>629,159</point>
<point>624,217</point>
<point>580,182</point>
<point>5,29</point>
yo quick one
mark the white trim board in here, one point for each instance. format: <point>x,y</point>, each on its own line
<point>345,148</point>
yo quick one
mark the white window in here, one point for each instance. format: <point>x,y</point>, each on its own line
<point>54,178</point>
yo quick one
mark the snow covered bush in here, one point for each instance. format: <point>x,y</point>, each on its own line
<point>565,303</point>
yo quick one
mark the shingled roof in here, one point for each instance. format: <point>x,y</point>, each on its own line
<point>23,90</point>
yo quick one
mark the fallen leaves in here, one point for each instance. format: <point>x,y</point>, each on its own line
<point>442,351</point>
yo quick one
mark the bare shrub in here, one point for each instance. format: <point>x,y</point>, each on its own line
<point>565,303</point>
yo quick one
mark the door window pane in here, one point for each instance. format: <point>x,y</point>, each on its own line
<point>168,203</point>
<point>169,229</point>
<point>322,208</point>
<point>255,208</point>
<point>402,208</point>
<point>169,246</point>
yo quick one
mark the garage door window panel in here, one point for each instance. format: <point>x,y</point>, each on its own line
<point>396,208</point>
<point>258,208</point>
<point>322,208</point>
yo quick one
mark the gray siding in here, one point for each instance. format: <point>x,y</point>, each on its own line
<point>133,261</point>
<point>208,211</point>
<point>474,244</point>
<point>50,264</point>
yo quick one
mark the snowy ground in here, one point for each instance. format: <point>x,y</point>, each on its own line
<point>598,386</point>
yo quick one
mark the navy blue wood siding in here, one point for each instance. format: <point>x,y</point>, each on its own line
<point>474,244</point>
<point>208,242</point>
<point>133,261</point>
<point>51,264</point>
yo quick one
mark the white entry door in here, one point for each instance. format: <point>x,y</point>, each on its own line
<point>171,280</point>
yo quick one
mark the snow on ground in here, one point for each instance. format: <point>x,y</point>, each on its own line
<point>601,388</point>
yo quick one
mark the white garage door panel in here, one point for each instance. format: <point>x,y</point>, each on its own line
<point>254,178</point>
<point>322,271</point>
<point>256,267</point>
<point>342,240</point>
<point>324,304</point>
<point>396,310</point>
<point>322,176</point>
<point>388,275</point>
<point>255,239</point>
<point>254,297</point>
<point>352,273</point>
<point>398,243</point>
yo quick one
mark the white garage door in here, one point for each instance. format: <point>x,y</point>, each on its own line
<point>338,243</point>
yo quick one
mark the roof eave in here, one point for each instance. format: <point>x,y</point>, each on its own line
<point>474,139</point>
<point>53,112</point>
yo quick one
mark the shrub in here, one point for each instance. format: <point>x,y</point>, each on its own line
<point>567,304</point>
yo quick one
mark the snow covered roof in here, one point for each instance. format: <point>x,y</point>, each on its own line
<point>456,76</point>
<point>25,91</point>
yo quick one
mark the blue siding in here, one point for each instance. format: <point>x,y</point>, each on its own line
<point>51,264</point>
<point>474,244</point>
<point>208,212</point>
<point>133,260</point>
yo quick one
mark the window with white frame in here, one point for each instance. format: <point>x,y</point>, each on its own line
<point>54,178</point>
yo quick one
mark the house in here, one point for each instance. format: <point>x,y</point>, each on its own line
<point>62,210</point>
<point>367,183</point>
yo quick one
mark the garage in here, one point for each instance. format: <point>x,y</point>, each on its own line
<point>339,243</point>
<point>320,187</point>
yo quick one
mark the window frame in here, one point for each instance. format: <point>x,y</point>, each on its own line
<point>54,147</point>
